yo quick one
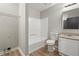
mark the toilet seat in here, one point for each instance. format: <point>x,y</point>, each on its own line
<point>50,42</point>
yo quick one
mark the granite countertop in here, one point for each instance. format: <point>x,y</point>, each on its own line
<point>69,36</point>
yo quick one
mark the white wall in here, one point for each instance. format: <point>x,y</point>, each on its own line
<point>9,8</point>
<point>54,15</point>
<point>23,27</point>
<point>44,28</point>
<point>8,31</point>
<point>33,13</point>
<point>8,25</point>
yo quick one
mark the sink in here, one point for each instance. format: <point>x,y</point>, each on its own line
<point>70,36</point>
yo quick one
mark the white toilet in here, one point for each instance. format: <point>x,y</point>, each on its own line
<point>51,42</point>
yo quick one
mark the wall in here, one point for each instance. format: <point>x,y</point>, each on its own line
<point>8,25</point>
<point>72,13</point>
<point>23,27</point>
<point>9,8</point>
<point>54,15</point>
<point>44,28</point>
<point>33,13</point>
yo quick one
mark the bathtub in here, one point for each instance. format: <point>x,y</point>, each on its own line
<point>34,39</point>
<point>36,42</point>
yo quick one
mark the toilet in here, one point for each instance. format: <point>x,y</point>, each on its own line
<point>51,42</point>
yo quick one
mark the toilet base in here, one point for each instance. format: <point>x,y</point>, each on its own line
<point>51,48</point>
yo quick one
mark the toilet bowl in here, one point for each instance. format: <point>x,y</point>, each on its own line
<point>51,42</point>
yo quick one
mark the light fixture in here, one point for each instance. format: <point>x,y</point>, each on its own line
<point>70,4</point>
<point>47,3</point>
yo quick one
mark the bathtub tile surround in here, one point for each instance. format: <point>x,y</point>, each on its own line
<point>38,29</point>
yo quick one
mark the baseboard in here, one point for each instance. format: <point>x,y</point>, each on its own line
<point>36,46</point>
<point>21,52</point>
<point>62,54</point>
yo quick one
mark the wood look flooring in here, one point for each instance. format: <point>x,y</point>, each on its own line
<point>44,52</point>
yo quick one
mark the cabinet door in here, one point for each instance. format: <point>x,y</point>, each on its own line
<point>69,47</point>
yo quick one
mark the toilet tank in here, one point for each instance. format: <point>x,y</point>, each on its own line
<point>54,36</point>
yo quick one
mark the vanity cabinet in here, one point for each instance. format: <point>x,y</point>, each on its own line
<point>69,47</point>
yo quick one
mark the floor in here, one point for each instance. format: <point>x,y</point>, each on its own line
<point>44,52</point>
<point>15,53</point>
<point>12,53</point>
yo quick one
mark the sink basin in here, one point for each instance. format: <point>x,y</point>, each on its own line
<point>70,36</point>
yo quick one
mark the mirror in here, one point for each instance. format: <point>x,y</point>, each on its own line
<point>70,21</point>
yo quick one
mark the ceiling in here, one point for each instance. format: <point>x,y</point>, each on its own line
<point>40,6</point>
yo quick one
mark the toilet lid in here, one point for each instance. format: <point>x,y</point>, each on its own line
<point>50,42</point>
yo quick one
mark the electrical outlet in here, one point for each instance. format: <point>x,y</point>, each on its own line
<point>9,48</point>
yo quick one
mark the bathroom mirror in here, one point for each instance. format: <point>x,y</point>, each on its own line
<point>70,21</point>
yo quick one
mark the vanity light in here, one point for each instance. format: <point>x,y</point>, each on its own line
<point>70,4</point>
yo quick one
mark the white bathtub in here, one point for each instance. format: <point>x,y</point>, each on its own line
<point>34,39</point>
<point>35,42</point>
